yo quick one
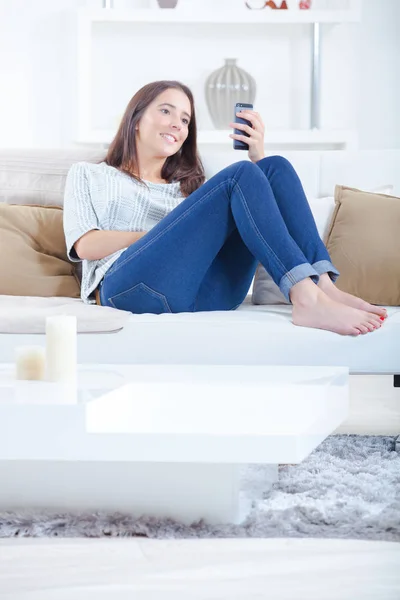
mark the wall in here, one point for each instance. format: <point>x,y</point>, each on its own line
<point>379,80</point>
<point>360,87</point>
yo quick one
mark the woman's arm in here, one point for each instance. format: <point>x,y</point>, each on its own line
<point>97,244</point>
<point>83,234</point>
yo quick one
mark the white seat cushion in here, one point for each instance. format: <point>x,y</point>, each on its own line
<point>254,335</point>
<point>249,335</point>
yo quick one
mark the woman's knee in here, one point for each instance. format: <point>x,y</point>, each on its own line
<point>276,162</point>
<point>235,169</point>
<point>245,166</point>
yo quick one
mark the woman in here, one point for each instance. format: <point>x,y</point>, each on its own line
<point>155,237</point>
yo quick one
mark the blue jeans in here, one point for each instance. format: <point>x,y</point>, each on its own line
<point>203,255</point>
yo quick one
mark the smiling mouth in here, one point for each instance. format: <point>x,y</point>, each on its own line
<point>170,138</point>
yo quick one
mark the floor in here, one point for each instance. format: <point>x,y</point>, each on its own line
<point>118,569</point>
<point>374,406</point>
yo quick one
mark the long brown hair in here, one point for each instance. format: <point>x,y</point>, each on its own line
<point>185,166</point>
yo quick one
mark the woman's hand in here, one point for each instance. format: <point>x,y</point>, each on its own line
<point>256,132</point>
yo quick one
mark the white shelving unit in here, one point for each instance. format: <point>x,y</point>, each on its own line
<point>313,138</point>
<point>244,16</point>
<point>300,139</point>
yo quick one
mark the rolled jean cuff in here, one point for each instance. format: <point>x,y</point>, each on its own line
<point>294,276</point>
<point>325,266</point>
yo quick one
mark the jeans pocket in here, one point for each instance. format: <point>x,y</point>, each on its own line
<point>141,299</point>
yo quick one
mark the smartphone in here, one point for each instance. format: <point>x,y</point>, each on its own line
<point>238,144</point>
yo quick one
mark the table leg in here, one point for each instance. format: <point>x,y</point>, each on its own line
<point>186,492</point>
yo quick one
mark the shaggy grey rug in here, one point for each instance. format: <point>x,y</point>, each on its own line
<point>349,487</point>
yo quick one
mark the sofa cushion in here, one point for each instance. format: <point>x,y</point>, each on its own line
<point>22,314</point>
<point>364,244</point>
<point>38,176</point>
<point>35,261</point>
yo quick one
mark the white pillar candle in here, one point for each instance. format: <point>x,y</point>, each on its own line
<point>61,348</point>
<point>30,362</point>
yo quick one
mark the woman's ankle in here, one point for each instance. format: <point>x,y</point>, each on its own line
<point>305,293</point>
<point>325,281</point>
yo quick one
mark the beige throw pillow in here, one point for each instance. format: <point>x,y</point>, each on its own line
<point>363,241</point>
<point>33,253</point>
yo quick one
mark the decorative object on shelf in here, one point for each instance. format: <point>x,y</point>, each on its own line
<point>305,4</point>
<point>255,4</point>
<point>167,3</point>
<point>226,86</point>
<point>259,4</point>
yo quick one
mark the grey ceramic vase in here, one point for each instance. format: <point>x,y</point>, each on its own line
<point>226,86</point>
<point>167,3</point>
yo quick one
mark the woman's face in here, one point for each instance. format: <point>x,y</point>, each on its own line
<point>164,125</point>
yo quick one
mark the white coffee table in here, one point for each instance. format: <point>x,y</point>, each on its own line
<point>164,440</point>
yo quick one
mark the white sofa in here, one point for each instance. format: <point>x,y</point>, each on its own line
<point>250,335</point>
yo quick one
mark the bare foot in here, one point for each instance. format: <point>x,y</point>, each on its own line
<point>313,308</point>
<point>326,284</point>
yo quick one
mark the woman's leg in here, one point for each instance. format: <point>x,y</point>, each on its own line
<point>188,261</point>
<point>295,210</point>
<point>228,277</point>
<point>195,257</point>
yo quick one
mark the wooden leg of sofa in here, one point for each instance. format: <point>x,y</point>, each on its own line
<point>396,383</point>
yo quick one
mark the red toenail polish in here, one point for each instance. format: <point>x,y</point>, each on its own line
<point>382,318</point>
